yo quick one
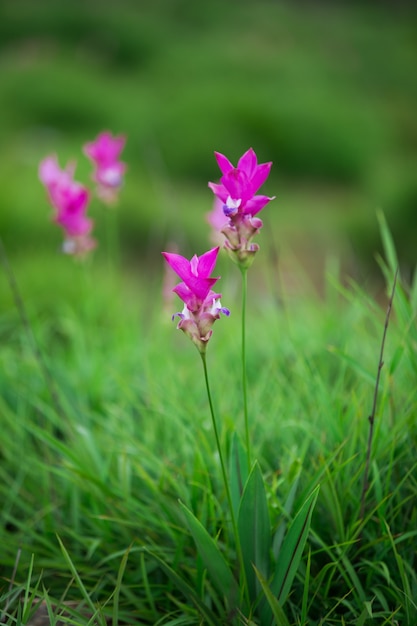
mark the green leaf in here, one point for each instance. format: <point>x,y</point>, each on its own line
<point>279,533</point>
<point>77,578</point>
<point>116,596</point>
<point>219,571</point>
<point>238,471</point>
<point>188,591</point>
<point>274,605</point>
<point>292,549</point>
<point>387,242</point>
<point>254,530</point>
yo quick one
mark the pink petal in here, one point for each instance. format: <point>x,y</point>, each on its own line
<point>75,224</point>
<point>223,163</point>
<point>49,170</point>
<point>238,185</point>
<point>200,286</point>
<point>260,176</point>
<point>256,204</point>
<point>248,162</point>
<point>186,296</point>
<point>105,149</point>
<point>220,191</point>
<point>179,264</point>
<point>206,262</point>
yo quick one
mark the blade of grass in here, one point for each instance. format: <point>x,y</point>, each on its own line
<point>188,591</point>
<point>219,570</point>
<point>292,548</point>
<point>274,605</point>
<point>254,530</point>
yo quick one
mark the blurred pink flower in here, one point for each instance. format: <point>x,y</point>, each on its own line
<point>217,220</point>
<point>202,306</point>
<point>69,200</point>
<point>104,152</point>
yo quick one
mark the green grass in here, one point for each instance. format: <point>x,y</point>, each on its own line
<point>94,462</point>
<point>104,419</point>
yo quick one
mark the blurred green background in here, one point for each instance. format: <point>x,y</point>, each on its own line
<point>326,90</point>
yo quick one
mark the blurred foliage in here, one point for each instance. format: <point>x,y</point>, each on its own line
<point>328,91</point>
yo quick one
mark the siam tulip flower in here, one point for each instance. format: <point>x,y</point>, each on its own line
<point>237,191</point>
<point>70,200</point>
<point>104,152</point>
<point>202,305</point>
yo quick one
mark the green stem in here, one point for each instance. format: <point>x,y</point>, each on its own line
<point>219,449</point>
<point>225,479</point>
<point>244,272</point>
<point>112,238</point>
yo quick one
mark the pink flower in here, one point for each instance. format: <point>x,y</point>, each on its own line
<point>202,306</point>
<point>240,204</point>
<point>238,185</point>
<point>104,152</point>
<point>70,201</point>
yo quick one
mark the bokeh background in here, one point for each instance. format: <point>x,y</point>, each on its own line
<point>326,90</point>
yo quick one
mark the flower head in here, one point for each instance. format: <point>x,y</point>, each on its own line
<point>238,185</point>
<point>104,152</point>
<point>237,191</point>
<point>69,200</point>
<point>202,305</point>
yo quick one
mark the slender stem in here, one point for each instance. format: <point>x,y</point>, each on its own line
<point>216,434</point>
<point>225,478</point>
<point>112,238</point>
<point>371,417</point>
<point>244,272</point>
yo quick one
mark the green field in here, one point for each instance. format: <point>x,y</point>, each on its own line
<point>114,508</point>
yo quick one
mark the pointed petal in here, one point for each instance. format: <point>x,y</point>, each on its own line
<point>179,264</point>
<point>206,262</point>
<point>260,176</point>
<point>248,163</point>
<point>223,163</point>
<point>256,204</point>
<point>220,191</point>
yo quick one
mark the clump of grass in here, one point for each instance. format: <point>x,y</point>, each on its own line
<point>90,498</point>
